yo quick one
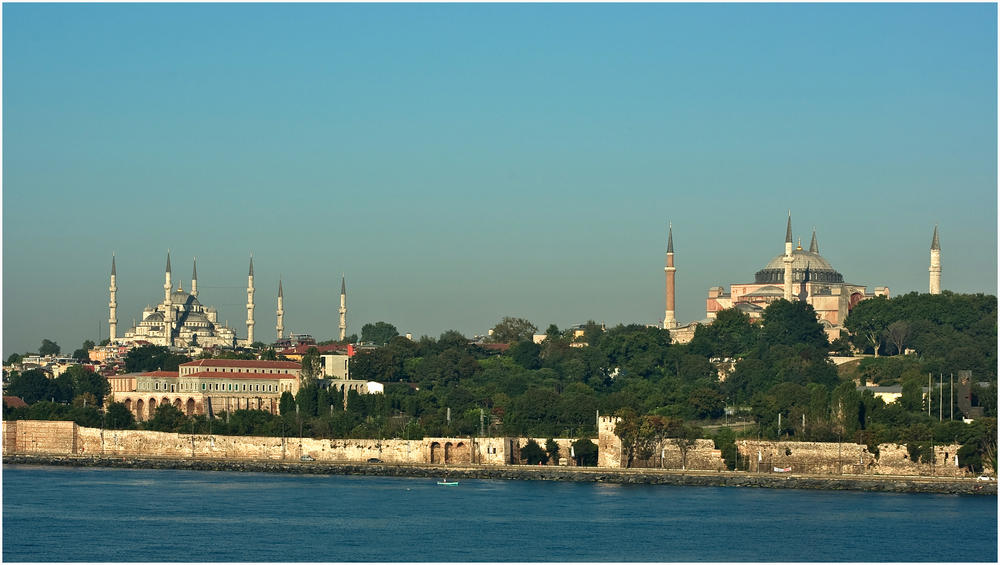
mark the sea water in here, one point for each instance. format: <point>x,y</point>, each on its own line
<point>96,514</point>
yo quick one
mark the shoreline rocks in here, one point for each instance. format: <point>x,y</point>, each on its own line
<point>872,483</point>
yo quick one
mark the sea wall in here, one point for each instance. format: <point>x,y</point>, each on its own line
<point>66,438</point>
<point>531,472</point>
<point>845,458</point>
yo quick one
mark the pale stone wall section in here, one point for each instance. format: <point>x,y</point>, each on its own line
<point>845,458</point>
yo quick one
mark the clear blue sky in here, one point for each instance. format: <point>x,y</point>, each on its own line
<point>461,163</point>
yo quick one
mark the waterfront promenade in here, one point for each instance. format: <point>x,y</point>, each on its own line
<point>872,483</point>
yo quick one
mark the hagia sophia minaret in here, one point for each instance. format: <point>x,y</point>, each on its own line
<point>669,320</point>
<point>168,315</point>
<point>788,259</point>
<point>250,322</point>
<point>343,307</point>
<point>281,311</point>
<point>194,278</point>
<point>935,268</point>
<point>113,319</point>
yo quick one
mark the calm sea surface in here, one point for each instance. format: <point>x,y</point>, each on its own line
<point>78,514</point>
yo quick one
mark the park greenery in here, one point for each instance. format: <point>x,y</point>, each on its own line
<point>770,378</point>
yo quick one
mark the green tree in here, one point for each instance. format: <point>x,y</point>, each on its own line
<point>685,437</point>
<point>725,442</point>
<point>84,352</point>
<point>118,417</point>
<point>48,348</point>
<point>792,323</point>
<point>312,367</point>
<point>152,358</point>
<point>14,359</point>
<point>585,452</point>
<point>30,386</point>
<point>552,449</point>
<point>167,418</point>
<point>286,404</point>
<point>533,454</point>
<point>868,321</point>
<point>379,333</point>
<point>86,381</point>
<point>512,330</point>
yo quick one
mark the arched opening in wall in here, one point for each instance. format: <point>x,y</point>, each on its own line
<point>447,452</point>
<point>435,452</point>
<point>190,407</point>
<point>461,453</point>
<point>152,407</point>
<point>855,298</point>
<point>128,404</point>
<point>139,405</point>
<point>178,404</point>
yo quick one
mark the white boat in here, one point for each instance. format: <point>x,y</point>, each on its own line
<point>445,482</point>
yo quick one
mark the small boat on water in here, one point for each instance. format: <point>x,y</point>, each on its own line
<point>447,482</point>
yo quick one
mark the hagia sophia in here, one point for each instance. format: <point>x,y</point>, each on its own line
<point>796,274</point>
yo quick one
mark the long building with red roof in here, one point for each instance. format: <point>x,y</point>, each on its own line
<point>210,386</point>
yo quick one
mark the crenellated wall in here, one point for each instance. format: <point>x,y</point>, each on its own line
<point>844,458</point>
<point>66,438</point>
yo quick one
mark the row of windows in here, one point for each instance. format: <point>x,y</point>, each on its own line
<point>189,370</point>
<point>214,386</point>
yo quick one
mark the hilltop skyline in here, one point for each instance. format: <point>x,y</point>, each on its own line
<point>461,163</point>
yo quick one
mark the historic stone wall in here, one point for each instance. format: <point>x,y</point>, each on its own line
<point>39,437</point>
<point>68,438</point>
<point>844,458</point>
<point>702,456</point>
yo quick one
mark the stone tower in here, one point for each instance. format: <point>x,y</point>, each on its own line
<point>250,322</point>
<point>168,315</point>
<point>194,278</point>
<point>113,304</point>
<point>281,311</point>
<point>669,320</point>
<point>935,268</point>
<point>787,259</point>
<point>343,307</point>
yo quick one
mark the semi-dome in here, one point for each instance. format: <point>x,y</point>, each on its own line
<point>806,266</point>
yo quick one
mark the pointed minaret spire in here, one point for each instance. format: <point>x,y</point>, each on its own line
<point>168,308</point>
<point>343,307</point>
<point>669,320</point>
<point>281,311</point>
<point>935,268</point>
<point>194,278</point>
<point>113,304</point>
<point>250,290</point>
<point>813,247</point>
<point>788,259</point>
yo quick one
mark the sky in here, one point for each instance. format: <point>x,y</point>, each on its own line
<point>461,163</point>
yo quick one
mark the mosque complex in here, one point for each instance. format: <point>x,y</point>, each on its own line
<point>181,320</point>
<point>797,274</point>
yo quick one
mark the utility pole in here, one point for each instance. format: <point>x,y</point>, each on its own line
<point>951,396</point>
<point>940,397</point>
<point>929,394</point>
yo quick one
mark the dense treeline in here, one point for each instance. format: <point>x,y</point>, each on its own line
<point>776,372</point>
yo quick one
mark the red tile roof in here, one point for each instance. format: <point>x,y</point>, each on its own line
<point>259,376</point>
<point>303,349</point>
<point>14,402</point>
<point>161,374</point>
<point>243,364</point>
